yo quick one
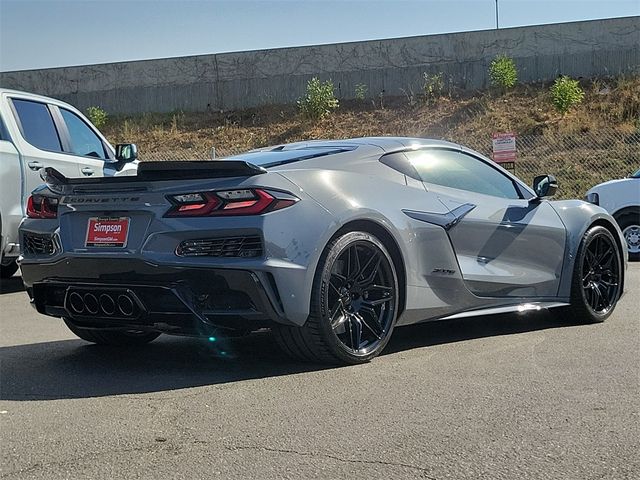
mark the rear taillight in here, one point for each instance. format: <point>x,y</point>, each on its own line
<point>40,206</point>
<point>249,201</point>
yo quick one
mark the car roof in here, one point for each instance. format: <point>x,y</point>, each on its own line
<point>385,143</point>
<point>21,93</point>
<point>37,98</point>
<point>309,149</point>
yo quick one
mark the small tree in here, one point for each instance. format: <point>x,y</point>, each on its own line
<point>565,93</point>
<point>361,91</point>
<point>319,100</point>
<point>97,116</point>
<point>503,72</point>
<point>432,86</point>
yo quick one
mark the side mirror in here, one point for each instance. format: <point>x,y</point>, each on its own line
<point>126,152</point>
<point>545,186</point>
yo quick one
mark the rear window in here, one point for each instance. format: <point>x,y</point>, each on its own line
<point>37,125</point>
<point>281,156</point>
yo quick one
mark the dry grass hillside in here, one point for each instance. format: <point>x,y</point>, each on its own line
<point>595,141</point>
<point>526,110</point>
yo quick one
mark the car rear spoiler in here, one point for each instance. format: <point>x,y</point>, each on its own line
<point>164,171</point>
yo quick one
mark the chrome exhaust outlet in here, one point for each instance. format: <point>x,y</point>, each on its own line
<point>91,303</point>
<point>125,305</point>
<point>107,304</point>
<point>75,302</point>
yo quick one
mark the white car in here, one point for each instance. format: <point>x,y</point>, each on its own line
<point>621,198</point>
<point>38,132</point>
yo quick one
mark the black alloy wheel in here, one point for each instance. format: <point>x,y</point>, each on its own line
<point>601,274</point>
<point>354,304</point>
<point>597,279</point>
<point>361,298</point>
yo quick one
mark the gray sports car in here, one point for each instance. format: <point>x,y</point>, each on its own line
<point>331,244</point>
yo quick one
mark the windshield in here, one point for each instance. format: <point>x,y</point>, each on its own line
<point>636,175</point>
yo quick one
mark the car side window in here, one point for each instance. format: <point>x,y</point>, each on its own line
<point>399,162</point>
<point>37,125</point>
<point>83,139</point>
<point>453,169</point>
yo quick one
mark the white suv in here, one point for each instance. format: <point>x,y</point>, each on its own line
<point>38,132</point>
<point>621,198</point>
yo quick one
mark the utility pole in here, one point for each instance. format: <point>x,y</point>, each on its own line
<point>497,23</point>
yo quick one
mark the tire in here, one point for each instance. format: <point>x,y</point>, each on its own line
<point>354,304</point>
<point>597,277</point>
<point>112,337</point>
<point>7,271</point>
<point>630,226</point>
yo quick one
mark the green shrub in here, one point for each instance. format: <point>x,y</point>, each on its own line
<point>361,91</point>
<point>319,100</point>
<point>97,116</point>
<point>565,93</point>
<point>503,72</point>
<point>432,86</point>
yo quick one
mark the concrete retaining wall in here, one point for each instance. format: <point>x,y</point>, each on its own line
<point>253,78</point>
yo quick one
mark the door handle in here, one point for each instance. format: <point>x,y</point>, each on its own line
<point>87,171</point>
<point>35,165</point>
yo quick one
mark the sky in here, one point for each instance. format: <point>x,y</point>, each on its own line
<point>54,33</point>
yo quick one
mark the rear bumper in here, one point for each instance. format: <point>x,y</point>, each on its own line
<point>181,300</point>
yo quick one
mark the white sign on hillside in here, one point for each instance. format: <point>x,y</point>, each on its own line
<point>504,148</point>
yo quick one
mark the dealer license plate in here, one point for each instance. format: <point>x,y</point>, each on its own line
<point>107,232</point>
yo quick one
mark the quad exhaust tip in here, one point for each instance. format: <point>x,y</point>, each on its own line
<point>76,302</point>
<point>91,304</point>
<point>107,304</point>
<point>104,304</point>
<point>125,305</point>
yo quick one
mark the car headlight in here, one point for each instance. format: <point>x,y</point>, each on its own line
<point>592,197</point>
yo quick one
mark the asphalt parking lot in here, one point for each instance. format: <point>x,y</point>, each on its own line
<point>492,397</point>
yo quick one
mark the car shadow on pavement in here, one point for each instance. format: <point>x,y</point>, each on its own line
<point>76,369</point>
<point>11,285</point>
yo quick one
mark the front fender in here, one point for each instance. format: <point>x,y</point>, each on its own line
<point>577,217</point>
